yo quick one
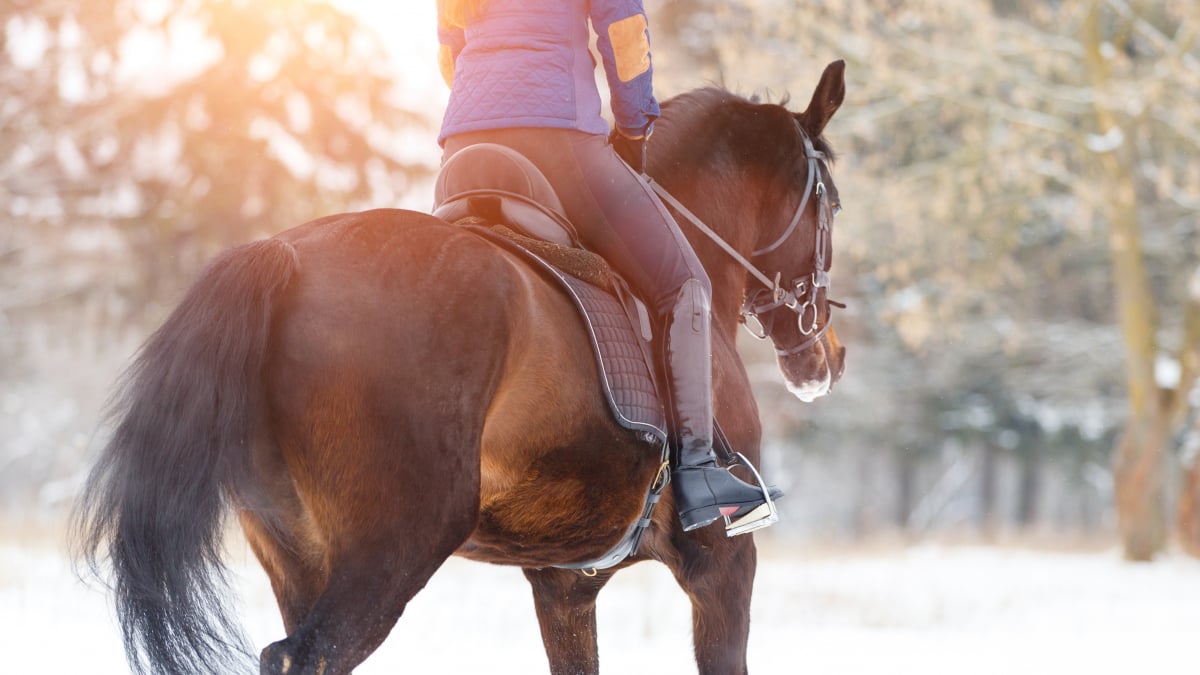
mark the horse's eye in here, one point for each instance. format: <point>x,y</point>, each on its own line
<point>837,208</point>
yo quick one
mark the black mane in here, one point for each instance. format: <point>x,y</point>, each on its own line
<point>713,124</point>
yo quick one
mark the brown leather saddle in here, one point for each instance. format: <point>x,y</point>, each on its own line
<point>501,186</point>
<point>493,184</point>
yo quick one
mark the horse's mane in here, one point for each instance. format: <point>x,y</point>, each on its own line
<point>714,124</point>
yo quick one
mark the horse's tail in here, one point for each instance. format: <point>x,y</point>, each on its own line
<point>157,499</point>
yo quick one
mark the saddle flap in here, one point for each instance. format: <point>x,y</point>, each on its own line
<point>619,329</point>
<point>499,184</point>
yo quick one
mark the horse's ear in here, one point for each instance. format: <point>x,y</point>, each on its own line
<point>827,98</point>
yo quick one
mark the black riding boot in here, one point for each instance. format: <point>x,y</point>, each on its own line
<point>704,491</point>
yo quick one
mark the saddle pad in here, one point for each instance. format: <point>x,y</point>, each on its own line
<point>627,382</point>
<point>617,345</point>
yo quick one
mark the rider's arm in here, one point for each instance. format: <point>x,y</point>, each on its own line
<point>451,40</point>
<point>624,43</point>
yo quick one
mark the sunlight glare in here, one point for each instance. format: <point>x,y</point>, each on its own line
<point>408,31</point>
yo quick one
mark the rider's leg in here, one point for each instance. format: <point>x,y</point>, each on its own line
<point>703,490</point>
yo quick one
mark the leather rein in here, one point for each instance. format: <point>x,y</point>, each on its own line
<point>801,295</point>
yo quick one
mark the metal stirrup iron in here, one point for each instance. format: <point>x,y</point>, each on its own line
<point>763,515</point>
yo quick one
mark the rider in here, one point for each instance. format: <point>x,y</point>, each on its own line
<point>521,75</point>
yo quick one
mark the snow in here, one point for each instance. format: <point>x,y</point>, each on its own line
<point>1167,371</point>
<point>929,609</point>
<point>1110,141</point>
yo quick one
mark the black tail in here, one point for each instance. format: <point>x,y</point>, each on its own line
<point>156,502</point>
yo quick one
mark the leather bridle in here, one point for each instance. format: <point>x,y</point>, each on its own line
<point>801,294</point>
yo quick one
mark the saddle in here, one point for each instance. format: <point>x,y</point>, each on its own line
<point>495,185</point>
<point>500,185</point>
<point>503,197</point>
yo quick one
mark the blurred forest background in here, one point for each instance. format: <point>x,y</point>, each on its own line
<point>1019,247</point>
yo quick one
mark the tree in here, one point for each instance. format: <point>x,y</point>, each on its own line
<point>142,137</point>
<point>1155,407</point>
<point>272,112</point>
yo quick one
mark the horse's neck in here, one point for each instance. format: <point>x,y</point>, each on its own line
<point>728,282</point>
<point>727,276</point>
<point>733,398</point>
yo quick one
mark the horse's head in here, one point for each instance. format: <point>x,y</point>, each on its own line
<point>795,312</point>
<point>759,175</point>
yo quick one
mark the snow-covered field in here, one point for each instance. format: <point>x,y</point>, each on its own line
<point>926,609</point>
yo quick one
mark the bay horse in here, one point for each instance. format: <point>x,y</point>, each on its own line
<point>371,393</point>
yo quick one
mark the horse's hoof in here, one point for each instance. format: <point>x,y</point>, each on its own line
<point>276,659</point>
<point>281,658</point>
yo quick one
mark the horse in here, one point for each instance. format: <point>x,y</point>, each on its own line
<point>370,393</point>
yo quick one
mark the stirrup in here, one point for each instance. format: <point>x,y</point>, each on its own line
<point>761,516</point>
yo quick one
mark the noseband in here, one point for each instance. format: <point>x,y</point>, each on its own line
<point>800,295</point>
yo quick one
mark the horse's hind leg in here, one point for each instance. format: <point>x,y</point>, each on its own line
<point>296,578</point>
<point>718,576</point>
<point>566,609</point>
<point>386,510</point>
<point>374,569</point>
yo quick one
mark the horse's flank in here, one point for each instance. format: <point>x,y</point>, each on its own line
<point>475,343</point>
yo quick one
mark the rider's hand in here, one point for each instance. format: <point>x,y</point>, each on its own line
<point>637,134</point>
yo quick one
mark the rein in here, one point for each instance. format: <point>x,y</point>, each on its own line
<point>802,297</point>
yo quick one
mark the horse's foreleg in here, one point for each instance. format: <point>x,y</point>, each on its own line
<point>566,609</point>
<point>718,576</point>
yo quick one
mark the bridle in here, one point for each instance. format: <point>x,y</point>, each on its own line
<point>801,294</point>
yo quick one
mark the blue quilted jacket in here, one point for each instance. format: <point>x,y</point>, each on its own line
<point>526,63</point>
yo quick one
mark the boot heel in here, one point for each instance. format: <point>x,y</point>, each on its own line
<point>697,518</point>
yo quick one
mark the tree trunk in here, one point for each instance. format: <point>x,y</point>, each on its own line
<point>987,492</point>
<point>906,479</point>
<point>1189,510</point>
<point>1141,507</point>
<point>1137,463</point>
<point>1189,361</point>
<point>1029,486</point>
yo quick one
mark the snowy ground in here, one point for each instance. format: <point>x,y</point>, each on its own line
<point>927,609</point>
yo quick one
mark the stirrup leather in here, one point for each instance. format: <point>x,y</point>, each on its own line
<point>762,516</point>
